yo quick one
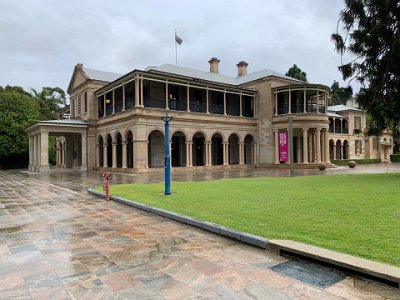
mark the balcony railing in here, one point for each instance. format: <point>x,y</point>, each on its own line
<point>233,111</point>
<point>216,109</point>
<point>129,103</point>
<point>118,107</point>
<point>197,107</point>
<point>109,110</point>
<point>177,105</point>
<point>154,102</point>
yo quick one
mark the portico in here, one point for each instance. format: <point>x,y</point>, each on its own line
<point>72,144</point>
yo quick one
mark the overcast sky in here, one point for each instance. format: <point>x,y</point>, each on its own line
<point>41,41</point>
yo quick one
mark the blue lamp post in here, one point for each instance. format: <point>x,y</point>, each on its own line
<point>166,120</point>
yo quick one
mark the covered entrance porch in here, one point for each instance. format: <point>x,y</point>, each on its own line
<point>71,148</point>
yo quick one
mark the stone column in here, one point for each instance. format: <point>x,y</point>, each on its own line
<point>124,162</point>
<point>141,97</point>
<point>189,147</point>
<point>114,155</point>
<point>305,145</point>
<point>35,153</point>
<point>334,151</point>
<point>290,102</point>
<point>318,145</point>
<point>105,156</point>
<point>84,151</point>
<point>97,155</point>
<point>254,149</point>
<point>208,153</point>
<point>44,152</point>
<point>225,151</point>
<point>326,140</point>
<point>241,153</point>
<point>305,100</point>
<point>113,101</point>
<point>241,104</point>
<point>30,152</point>
<point>276,135</point>
<point>123,97</point>
<point>276,104</point>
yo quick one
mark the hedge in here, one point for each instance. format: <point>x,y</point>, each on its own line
<point>395,157</point>
<point>358,161</point>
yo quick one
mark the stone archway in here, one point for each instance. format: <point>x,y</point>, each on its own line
<point>156,149</point>
<point>198,150</point>
<point>234,149</point>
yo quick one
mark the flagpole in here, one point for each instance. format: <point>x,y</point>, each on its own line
<point>176,49</point>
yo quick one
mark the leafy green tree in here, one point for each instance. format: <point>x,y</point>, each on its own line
<point>340,95</point>
<point>50,101</point>
<point>18,110</point>
<point>297,73</point>
<point>371,33</point>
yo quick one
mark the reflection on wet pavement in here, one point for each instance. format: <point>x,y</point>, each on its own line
<point>58,242</point>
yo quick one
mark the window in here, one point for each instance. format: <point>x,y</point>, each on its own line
<point>357,122</point>
<point>358,145</point>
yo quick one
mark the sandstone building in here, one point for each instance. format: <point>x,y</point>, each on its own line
<point>218,122</point>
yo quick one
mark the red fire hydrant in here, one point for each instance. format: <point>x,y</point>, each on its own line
<point>106,185</point>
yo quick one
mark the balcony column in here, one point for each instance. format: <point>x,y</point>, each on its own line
<point>105,156</point>
<point>123,97</point>
<point>113,101</point>
<point>141,97</point>
<point>124,160</point>
<point>241,153</point>
<point>97,155</point>
<point>318,144</point>
<point>166,96</point>
<point>304,101</point>
<point>225,153</point>
<point>276,135</point>
<point>290,102</point>
<point>137,91</point>
<point>207,92</point>
<point>276,104</point>
<point>341,126</point>
<point>30,152</point>
<point>104,105</point>
<point>305,145</point>
<point>225,102</point>
<point>188,98</point>
<point>240,104</point>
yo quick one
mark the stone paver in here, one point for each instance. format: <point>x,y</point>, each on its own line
<point>58,242</point>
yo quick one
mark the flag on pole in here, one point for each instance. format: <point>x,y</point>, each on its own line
<point>178,39</point>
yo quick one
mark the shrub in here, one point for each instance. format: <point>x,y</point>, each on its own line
<point>395,157</point>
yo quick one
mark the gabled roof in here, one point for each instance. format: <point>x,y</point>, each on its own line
<point>101,75</point>
<point>341,107</point>
<point>218,78</point>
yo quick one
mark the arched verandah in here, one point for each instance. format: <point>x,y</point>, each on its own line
<point>217,156</point>
<point>156,149</point>
<point>233,149</point>
<point>249,149</point>
<point>129,149</point>
<point>178,149</point>
<point>198,150</point>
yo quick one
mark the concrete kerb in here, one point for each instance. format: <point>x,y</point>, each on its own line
<point>231,233</point>
<point>351,263</point>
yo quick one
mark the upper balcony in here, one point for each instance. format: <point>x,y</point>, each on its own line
<point>300,99</point>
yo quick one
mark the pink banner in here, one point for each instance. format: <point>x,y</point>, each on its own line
<point>283,146</point>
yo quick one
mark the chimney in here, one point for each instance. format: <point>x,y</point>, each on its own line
<point>214,62</point>
<point>242,68</point>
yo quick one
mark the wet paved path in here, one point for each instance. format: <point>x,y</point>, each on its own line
<point>58,242</point>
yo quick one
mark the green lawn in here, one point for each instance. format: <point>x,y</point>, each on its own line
<point>354,214</point>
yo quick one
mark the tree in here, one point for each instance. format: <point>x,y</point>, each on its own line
<point>340,95</point>
<point>297,73</point>
<point>50,101</point>
<point>371,30</point>
<point>18,110</point>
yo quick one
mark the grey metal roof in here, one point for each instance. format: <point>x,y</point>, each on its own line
<point>101,75</point>
<point>188,72</point>
<point>334,115</point>
<point>341,107</point>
